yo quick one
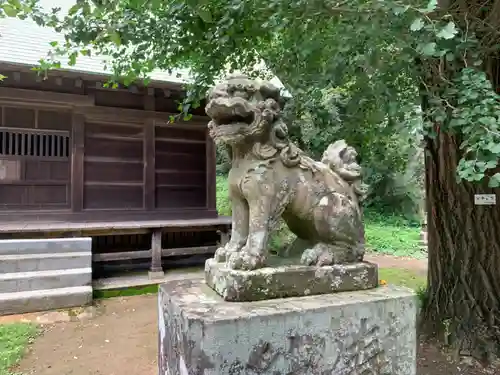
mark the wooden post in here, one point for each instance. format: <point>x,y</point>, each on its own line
<point>156,267</point>
<point>149,165</point>
<point>77,160</point>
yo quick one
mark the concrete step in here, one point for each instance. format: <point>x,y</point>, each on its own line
<point>44,262</point>
<point>45,246</point>
<point>42,300</point>
<point>40,280</point>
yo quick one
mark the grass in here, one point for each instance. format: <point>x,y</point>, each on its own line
<point>402,277</point>
<point>223,204</point>
<point>126,292</point>
<point>14,339</point>
<point>393,239</point>
<point>406,278</point>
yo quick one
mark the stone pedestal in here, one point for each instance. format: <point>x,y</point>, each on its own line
<point>369,332</point>
<point>288,280</point>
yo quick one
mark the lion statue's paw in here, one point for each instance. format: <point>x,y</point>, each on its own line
<point>319,255</point>
<point>245,261</point>
<point>223,253</point>
<point>220,255</point>
<point>323,254</point>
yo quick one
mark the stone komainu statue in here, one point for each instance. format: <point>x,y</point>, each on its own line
<point>271,178</point>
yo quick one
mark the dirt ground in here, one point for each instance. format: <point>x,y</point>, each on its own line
<point>388,261</point>
<point>121,339</point>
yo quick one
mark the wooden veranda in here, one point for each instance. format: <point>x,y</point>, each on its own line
<point>79,159</point>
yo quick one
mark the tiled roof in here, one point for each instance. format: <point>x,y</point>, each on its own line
<point>24,42</point>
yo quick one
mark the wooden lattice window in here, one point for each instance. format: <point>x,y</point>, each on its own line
<point>35,143</point>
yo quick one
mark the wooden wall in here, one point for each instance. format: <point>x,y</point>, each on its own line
<point>34,163</point>
<point>180,168</point>
<point>113,166</point>
<point>70,145</point>
<point>114,173</point>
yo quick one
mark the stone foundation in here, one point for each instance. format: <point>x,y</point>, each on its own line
<point>288,280</point>
<point>363,332</point>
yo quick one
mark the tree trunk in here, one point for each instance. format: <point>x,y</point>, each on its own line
<point>462,304</point>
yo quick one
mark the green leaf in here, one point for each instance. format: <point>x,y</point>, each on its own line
<point>115,37</point>
<point>86,9</point>
<point>494,181</point>
<point>491,164</point>
<point>450,57</point>
<point>54,43</point>
<point>447,32</point>
<point>417,25</point>
<point>486,120</point>
<point>15,3</point>
<point>9,10</point>
<point>428,49</point>
<point>477,177</point>
<point>495,149</point>
<point>204,14</point>
<point>75,8</point>
<point>72,59</point>
<point>400,9</point>
<point>431,6</point>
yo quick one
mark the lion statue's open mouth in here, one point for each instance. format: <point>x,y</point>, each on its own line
<point>230,115</point>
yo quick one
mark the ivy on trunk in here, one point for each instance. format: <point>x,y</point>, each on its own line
<point>460,103</point>
<point>463,295</point>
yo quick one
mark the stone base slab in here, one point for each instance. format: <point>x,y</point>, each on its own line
<point>289,280</point>
<point>363,332</point>
<point>153,275</point>
<point>43,300</point>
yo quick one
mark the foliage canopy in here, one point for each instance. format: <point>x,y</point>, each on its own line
<point>356,67</point>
